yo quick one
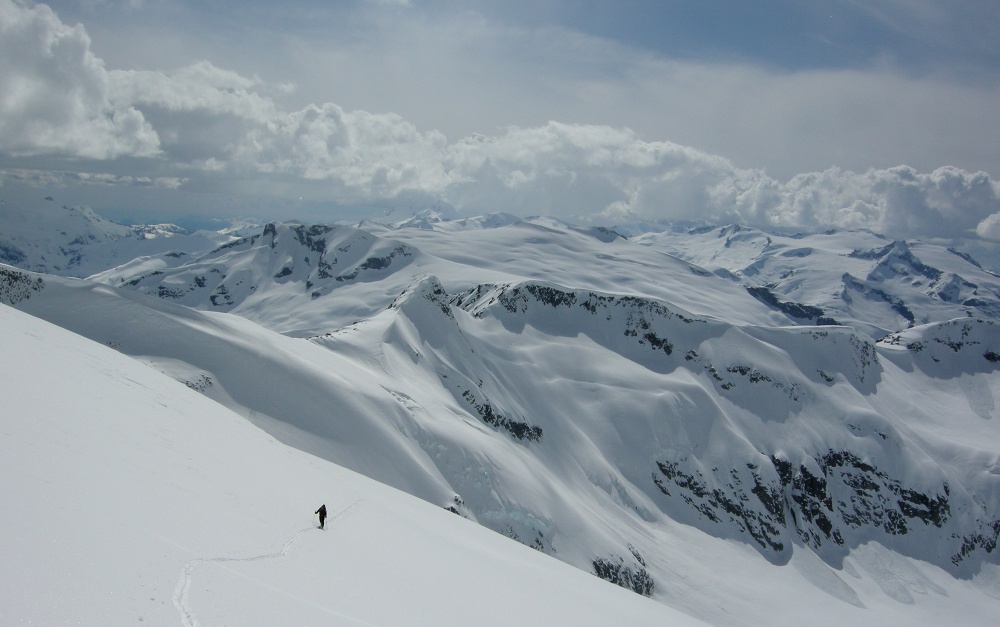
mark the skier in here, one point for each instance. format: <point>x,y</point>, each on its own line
<point>322,515</point>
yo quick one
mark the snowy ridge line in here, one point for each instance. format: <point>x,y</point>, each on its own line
<point>183,589</point>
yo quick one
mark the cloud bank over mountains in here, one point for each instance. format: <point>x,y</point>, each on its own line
<point>57,96</point>
<point>66,118</point>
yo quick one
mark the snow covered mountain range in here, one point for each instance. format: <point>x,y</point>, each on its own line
<point>75,241</point>
<point>685,413</point>
<point>859,279</point>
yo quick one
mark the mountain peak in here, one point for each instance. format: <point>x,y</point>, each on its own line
<point>427,290</point>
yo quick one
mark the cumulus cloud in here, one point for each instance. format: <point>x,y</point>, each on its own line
<point>206,123</point>
<point>54,93</point>
<point>571,170</point>
<point>200,86</point>
<point>575,170</point>
<point>58,99</point>
<point>371,156</point>
<point>989,228</point>
<point>215,119</point>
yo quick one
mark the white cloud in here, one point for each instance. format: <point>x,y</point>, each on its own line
<point>571,170</point>
<point>223,130</point>
<point>369,156</point>
<point>989,228</point>
<point>54,92</point>
<point>198,87</point>
<point>463,74</point>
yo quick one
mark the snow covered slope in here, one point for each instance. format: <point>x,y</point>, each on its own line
<point>306,280</point>
<point>130,499</point>
<point>855,278</point>
<point>75,241</point>
<point>672,452</point>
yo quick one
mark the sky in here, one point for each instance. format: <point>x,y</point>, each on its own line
<point>790,114</point>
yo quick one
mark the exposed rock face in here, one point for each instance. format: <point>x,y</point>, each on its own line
<point>16,286</point>
<point>832,500</point>
<point>632,576</point>
<point>314,259</point>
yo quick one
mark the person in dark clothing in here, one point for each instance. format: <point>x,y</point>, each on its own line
<point>322,515</point>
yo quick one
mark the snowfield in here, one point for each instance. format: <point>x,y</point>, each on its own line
<point>746,445</point>
<point>130,499</point>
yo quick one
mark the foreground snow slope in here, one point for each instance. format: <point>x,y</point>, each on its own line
<point>128,498</point>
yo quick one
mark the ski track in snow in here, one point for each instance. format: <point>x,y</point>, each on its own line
<point>183,589</point>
